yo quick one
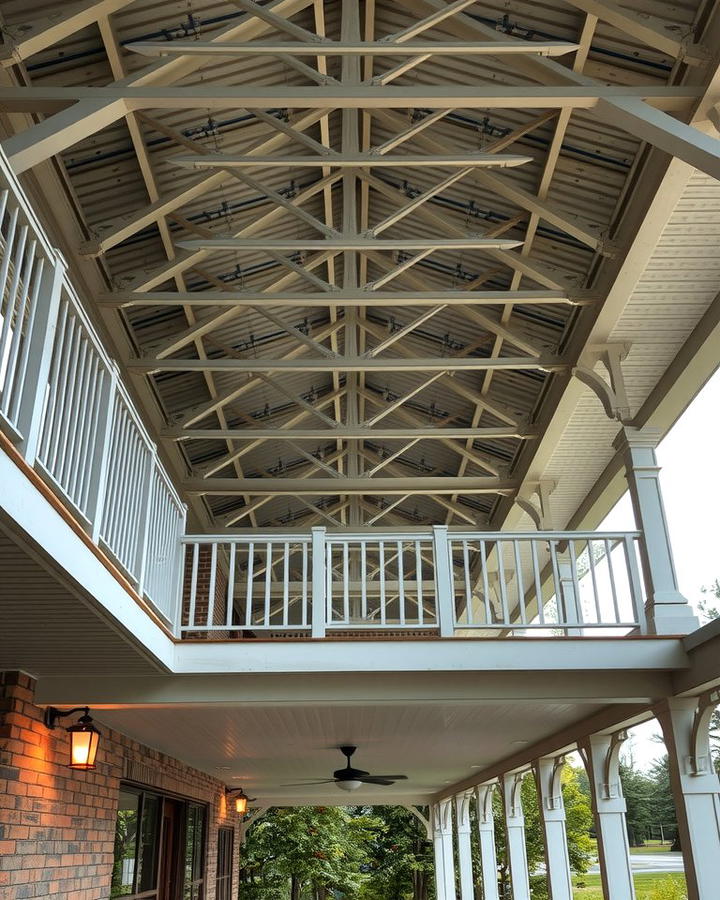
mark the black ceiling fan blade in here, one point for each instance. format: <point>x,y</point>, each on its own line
<point>391,777</point>
<point>374,779</point>
<point>308,783</point>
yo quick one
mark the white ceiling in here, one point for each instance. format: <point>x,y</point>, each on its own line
<point>263,747</point>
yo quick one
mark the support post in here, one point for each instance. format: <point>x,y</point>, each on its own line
<point>548,774</point>
<point>695,787</point>
<point>318,612</point>
<point>515,835</point>
<point>39,356</point>
<point>601,753</point>
<point>443,846</point>
<point>486,834</point>
<point>464,847</point>
<point>444,589</point>
<point>668,612</point>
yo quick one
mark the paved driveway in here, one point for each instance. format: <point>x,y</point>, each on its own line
<point>652,862</point>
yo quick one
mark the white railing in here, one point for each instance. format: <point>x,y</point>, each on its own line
<point>437,582</point>
<point>63,405</point>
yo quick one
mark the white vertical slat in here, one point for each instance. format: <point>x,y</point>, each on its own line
<point>346,581</point>
<point>193,584</point>
<point>268,581</point>
<point>22,367</point>
<point>328,585</point>
<point>286,583</point>
<point>23,309</point>
<point>363,581</point>
<point>520,584</point>
<point>211,584</point>
<point>468,585</point>
<point>576,584</point>
<point>537,580</point>
<point>636,596</point>
<point>304,577</point>
<point>593,579</point>
<point>559,599</point>
<point>486,586</point>
<point>503,584</point>
<point>401,582</point>
<point>249,586</point>
<point>613,586</point>
<point>381,559</point>
<point>419,581</point>
<point>230,593</point>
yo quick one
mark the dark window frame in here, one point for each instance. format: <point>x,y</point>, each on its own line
<point>225,854</point>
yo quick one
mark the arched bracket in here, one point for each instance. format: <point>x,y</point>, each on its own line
<point>484,800</point>
<point>540,513</point>
<point>425,822</point>
<point>612,394</point>
<point>700,763</point>
<point>611,786</point>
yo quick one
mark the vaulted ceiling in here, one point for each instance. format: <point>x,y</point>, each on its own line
<point>356,248</point>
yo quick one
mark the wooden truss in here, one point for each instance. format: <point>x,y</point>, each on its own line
<point>357,272</point>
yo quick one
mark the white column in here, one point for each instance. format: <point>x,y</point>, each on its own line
<point>696,790</point>
<point>465,866</point>
<point>443,846</point>
<point>488,852</point>
<point>548,772</point>
<point>318,611</point>
<point>515,836</point>
<point>668,611</point>
<point>602,757</point>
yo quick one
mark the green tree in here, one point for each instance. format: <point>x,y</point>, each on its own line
<point>402,864</point>
<point>305,853</point>
<point>638,790</point>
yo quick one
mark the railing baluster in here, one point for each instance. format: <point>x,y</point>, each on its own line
<point>286,583</point>
<point>193,584</point>
<point>383,610</point>
<point>268,582</point>
<point>613,587</point>
<point>249,587</point>
<point>520,584</point>
<point>346,582</point>
<point>489,617</point>
<point>559,599</point>
<point>401,582</point>
<point>636,596</point>
<point>502,583</point>
<point>419,582</point>
<point>593,578</point>
<point>363,581</point>
<point>577,602</point>
<point>211,585</point>
<point>304,601</point>
<point>468,586</point>
<point>536,579</point>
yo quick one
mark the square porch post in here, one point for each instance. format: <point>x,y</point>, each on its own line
<point>465,866</point>
<point>548,773</point>
<point>515,835</point>
<point>486,835</point>
<point>442,821</point>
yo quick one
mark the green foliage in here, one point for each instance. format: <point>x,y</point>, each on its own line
<point>402,862</point>
<point>669,889</point>
<point>306,852</point>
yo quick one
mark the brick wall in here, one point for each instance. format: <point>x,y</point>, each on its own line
<point>202,593</point>
<point>57,825</point>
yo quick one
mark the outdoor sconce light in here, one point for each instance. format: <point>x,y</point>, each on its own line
<point>84,736</point>
<point>240,799</point>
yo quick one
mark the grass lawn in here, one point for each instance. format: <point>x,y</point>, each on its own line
<point>650,848</point>
<point>645,885</point>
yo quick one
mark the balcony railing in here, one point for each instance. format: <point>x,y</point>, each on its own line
<point>64,407</point>
<point>432,582</point>
<point>62,403</point>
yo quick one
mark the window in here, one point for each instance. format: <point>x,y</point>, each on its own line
<point>194,881</point>
<point>137,832</point>
<point>223,884</point>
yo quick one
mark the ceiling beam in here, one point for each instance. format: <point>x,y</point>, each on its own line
<point>25,39</point>
<point>314,487</point>
<point>353,160</point>
<point>430,432</point>
<point>651,30</point>
<point>126,299</point>
<point>346,364</point>
<point>47,98</point>
<point>383,47</point>
<point>347,242</point>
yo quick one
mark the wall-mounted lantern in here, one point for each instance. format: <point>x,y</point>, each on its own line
<point>84,736</point>
<point>240,799</point>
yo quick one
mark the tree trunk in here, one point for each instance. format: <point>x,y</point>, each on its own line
<point>294,888</point>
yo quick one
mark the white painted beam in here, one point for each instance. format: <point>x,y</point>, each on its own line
<point>345,242</point>
<point>339,298</point>
<point>686,142</point>
<point>353,160</point>
<point>351,48</point>
<point>314,487</point>
<point>349,432</point>
<point>204,96</point>
<point>39,34</point>
<point>346,364</point>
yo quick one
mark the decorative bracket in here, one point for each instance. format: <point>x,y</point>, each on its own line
<point>426,824</point>
<point>540,514</point>
<point>700,763</point>
<point>611,788</point>
<point>612,394</point>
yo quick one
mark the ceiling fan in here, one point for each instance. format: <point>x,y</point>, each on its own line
<point>350,779</point>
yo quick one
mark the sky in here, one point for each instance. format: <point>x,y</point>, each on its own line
<point>690,478</point>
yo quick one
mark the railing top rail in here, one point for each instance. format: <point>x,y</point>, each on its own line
<point>426,534</point>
